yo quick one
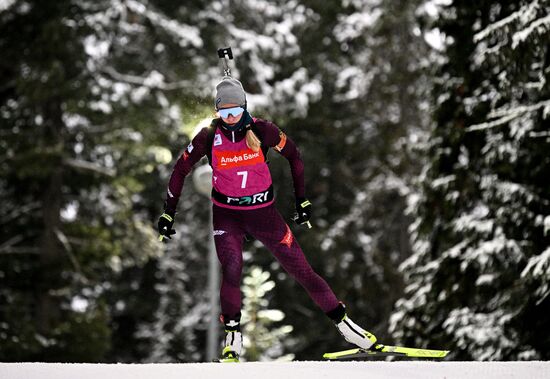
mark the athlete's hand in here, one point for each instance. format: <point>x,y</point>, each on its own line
<point>303,211</point>
<point>165,223</point>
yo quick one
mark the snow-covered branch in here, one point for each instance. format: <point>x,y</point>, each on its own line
<point>155,80</point>
<point>507,115</point>
<point>525,14</point>
<point>519,110</point>
<point>85,165</point>
<point>187,35</point>
<point>491,124</point>
<point>8,247</point>
<point>539,134</point>
<point>18,212</point>
<point>10,242</point>
<point>70,253</point>
<point>541,25</point>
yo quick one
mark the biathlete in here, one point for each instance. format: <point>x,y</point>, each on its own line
<point>243,203</point>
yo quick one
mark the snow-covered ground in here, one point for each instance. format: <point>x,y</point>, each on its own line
<point>276,370</point>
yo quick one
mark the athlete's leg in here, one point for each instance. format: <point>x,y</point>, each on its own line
<point>267,225</point>
<point>228,238</point>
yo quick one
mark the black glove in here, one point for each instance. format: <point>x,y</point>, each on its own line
<point>165,223</point>
<point>303,211</point>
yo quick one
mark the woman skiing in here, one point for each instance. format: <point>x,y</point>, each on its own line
<point>243,203</point>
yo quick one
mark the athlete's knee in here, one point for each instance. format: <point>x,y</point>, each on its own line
<point>232,270</point>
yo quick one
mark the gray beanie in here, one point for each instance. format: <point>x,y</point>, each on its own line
<point>229,91</point>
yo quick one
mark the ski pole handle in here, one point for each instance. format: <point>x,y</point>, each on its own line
<point>225,53</point>
<point>303,212</point>
<point>165,224</point>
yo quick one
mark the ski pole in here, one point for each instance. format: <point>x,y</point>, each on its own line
<point>226,54</point>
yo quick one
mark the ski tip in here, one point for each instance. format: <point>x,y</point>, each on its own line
<point>427,353</point>
<point>340,354</point>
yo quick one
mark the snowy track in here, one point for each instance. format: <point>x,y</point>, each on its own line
<point>301,370</point>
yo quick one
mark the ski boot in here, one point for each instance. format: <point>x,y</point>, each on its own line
<point>233,339</point>
<point>352,332</point>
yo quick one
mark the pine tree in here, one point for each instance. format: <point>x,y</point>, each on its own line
<point>261,339</point>
<point>42,67</point>
<point>477,282</point>
<point>78,155</point>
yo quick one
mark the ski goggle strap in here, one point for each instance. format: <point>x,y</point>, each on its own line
<point>234,111</point>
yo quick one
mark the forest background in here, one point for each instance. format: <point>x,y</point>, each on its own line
<point>424,126</point>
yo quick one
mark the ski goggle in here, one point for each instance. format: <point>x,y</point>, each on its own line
<point>234,111</point>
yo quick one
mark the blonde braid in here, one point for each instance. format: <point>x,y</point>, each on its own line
<point>252,141</point>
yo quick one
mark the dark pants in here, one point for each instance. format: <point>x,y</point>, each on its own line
<point>267,226</point>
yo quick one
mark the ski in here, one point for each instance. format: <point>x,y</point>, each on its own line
<point>226,360</point>
<point>386,350</point>
<point>228,356</point>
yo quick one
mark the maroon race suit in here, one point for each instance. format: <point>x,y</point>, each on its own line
<point>243,204</point>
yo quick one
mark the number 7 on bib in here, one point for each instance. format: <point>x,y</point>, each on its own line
<point>244,174</point>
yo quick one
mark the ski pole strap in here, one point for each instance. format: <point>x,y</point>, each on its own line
<point>244,201</point>
<point>168,217</point>
<point>305,204</point>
